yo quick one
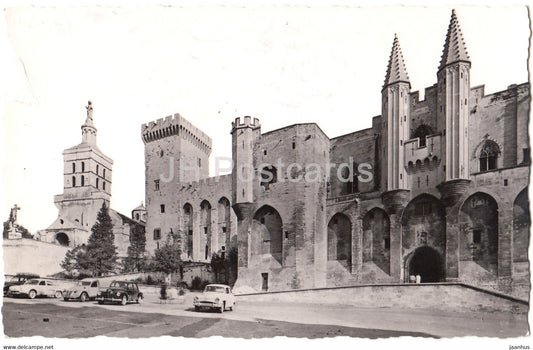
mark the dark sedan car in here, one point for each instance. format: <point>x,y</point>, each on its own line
<point>122,292</point>
<point>17,280</point>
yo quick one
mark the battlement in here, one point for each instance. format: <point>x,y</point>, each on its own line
<point>176,125</point>
<point>203,183</point>
<point>247,123</point>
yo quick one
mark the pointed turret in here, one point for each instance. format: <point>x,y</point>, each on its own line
<point>396,71</point>
<point>395,114</point>
<point>454,46</point>
<point>453,94</point>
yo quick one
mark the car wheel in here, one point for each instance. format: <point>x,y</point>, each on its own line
<point>101,302</point>
<point>124,300</point>
<point>32,294</point>
<point>83,297</point>
<point>65,299</point>
<point>58,294</point>
<point>139,298</point>
<point>196,308</point>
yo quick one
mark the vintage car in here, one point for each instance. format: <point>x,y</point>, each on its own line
<point>83,291</point>
<point>17,280</point>
<point>122,292</point>
<point>215,296</point>
<point>36,287</point>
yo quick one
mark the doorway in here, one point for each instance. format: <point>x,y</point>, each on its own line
<point>264,284</point>
<point>426,262</point>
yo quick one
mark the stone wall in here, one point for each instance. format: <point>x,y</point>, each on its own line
<point>28,255</point>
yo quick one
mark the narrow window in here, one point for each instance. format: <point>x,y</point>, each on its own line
<point>156,185</point>
<point>103,173</point>
<point>162,208</point>
<point>74,181</point>
<point>82,180</point>
<point>476,236</point>
<point>190,232</point>
<point>103,185</point>
<point>82,167</point>
<point>206,251</point>
<point>205,230</point>
<point>293,145</point>
<point>386,242</point>
<point>286,234</point>
<point>73,167</point>
<point>265,152</point>
<point>224,229</point>
<point>157,234</point>
<point>97,181</point>
<point>97,169</point>
<point>505,182</point>
<point>427,180</point>
<point>418,181</point>
<point>199,162</point>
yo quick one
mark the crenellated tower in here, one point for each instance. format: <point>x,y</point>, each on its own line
<point>395,112</point>
<point>453,92</point>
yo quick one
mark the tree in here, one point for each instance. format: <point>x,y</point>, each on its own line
<point>225,262</point>
<point>101,256</point>
<point>135,261</point>
<point>167,257</point>
<point>74,260</point>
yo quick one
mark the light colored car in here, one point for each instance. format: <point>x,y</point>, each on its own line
<point>215,296</point>
<point>36,287</point>
<point>83,291</point>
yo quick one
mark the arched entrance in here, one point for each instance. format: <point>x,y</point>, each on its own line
<point>376,239</point>
<point>340,239</point>
<point>427,263</point>
<point>62,239</point>
<point>267,228</point>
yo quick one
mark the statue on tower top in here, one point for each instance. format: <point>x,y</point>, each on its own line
<point>89,108</point>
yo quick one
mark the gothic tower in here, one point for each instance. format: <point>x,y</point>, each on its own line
<point>453,91</point>
<point>395,112</point>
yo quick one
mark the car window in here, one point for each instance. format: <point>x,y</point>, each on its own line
<point>42,283</point>
<point>227,290</point>
<point>215,289</point>
<point>94,284</point>
<point>33,282</point>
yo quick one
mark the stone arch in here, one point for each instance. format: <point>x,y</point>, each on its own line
<point>224,224</point>
<point>423,224</point>
<point>521,226</point>
<point>425,262</point>
<point>188,227</point>
<point>62,238</point>
<point>267,229</point>
<point>340,239</point>
<point>478,239</point>
<point>205,229</point>
<point>376,239</point>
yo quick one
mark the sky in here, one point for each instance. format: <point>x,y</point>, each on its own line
<point>281,64</point>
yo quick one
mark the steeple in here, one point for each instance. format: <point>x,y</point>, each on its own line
<point>396,71</point>
<point>454,46</point>
<point>88,131</point>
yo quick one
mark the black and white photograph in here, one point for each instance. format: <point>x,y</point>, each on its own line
<point>268,174</point>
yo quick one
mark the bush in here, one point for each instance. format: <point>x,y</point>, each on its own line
<point>163,292</point>
<point>149,280</point>
<point>196,283</point>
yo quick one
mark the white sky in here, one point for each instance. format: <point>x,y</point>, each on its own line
<point>284,65</point>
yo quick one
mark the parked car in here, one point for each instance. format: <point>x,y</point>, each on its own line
<point>215,296</point>
<point>17,280</point>
<point>122,292</point>
<point>36,287</point>
<point>83,291</point>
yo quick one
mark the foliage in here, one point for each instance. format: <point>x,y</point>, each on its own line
<point>163,292</point>
<point>23,230</point>
<point>196,283</point>
<point>167,257</point>
<point>101,255</point>
<point>74,259</point>
<point>135,261</point>
<point>226,264</point>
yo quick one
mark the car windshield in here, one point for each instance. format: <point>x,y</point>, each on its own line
<point>214,289</point>
<point>32,282</point>
<point>118,284</point>
<point>84,283</point>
